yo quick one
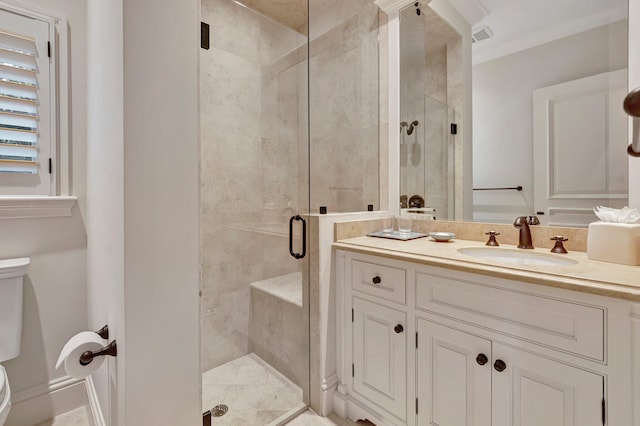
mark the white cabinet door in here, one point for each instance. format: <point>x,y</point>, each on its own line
<point>535,391</point>
<point>454,389</point>
<point>380,356</point>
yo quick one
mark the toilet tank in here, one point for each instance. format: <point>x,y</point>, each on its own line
<point>12,272</point>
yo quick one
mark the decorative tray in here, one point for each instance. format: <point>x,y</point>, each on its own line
<point>395,235</point>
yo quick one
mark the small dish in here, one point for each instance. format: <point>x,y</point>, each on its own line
<point>442,237</point>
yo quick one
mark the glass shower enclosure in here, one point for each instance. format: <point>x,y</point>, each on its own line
<point>289,123</point>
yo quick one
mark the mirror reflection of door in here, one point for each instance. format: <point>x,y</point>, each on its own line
<point>579,145</point>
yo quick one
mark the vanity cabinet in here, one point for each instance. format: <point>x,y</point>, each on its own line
<point>467,380</point>
<point>430,345</point>
<point>453,377</point>
<point>379,366</point>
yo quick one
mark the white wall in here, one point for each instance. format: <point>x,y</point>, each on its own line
<point>105,188</point>
<point>161,221</point>
<point>503,111</point>
<point>55,291</point>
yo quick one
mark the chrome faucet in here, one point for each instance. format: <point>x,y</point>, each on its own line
<point>522,223</point>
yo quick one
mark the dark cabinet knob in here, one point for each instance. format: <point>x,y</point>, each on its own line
<point>482,359</point>
<point>499,365</point>
<point>398,328</point>
<point>376,280</point>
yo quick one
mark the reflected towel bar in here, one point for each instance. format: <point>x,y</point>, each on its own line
<point>515,188</point>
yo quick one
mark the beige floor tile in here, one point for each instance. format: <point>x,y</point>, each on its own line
<point>78,417</point>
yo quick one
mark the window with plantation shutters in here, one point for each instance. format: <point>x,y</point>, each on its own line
<point>26,130</point>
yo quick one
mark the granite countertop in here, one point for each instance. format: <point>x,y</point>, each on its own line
<point>588,276</point>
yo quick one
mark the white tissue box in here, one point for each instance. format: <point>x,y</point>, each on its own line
<point>614,242</point>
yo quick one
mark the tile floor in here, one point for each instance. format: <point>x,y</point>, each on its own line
<point>255,392</point>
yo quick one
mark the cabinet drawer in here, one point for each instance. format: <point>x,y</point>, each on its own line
<point>559,324</point>
<point>378,280</point>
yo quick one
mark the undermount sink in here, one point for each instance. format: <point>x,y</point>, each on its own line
<point>516,257</point>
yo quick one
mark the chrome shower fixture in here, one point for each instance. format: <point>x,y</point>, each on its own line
<point>412,126</point>
<point>418,11</point>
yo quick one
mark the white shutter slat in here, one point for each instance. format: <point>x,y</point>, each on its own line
<point>18,122</point>
<point>13,59</point>
<point>18,92</point>
<point>12,40</point>
<point>12,136</point>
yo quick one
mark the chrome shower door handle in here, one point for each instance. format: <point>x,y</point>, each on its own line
<point>304,237</point>
<point>632,107</point>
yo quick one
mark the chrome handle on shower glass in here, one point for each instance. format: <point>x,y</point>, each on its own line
<point>304,237</point>
<point>632,107</point>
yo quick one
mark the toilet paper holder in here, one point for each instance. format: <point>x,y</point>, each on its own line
<point>103,332</point>
<point>110,349</point>
<point>87,357</point>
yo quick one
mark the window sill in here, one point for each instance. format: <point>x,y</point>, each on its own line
<point>28,207</point>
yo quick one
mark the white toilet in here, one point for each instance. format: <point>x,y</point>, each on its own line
<point>12,272</point>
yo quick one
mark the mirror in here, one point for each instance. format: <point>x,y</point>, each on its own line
<point>548,82</point>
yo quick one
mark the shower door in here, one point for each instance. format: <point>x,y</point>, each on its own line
<point>254,206</point>
<point>439,157</point>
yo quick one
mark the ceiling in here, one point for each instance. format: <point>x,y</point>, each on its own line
<point>521,24</point>
<point>516,24</point>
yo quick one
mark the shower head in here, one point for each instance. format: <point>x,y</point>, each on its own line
<point>414,124</point>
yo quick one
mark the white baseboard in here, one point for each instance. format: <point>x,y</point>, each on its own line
<point>346,407</point>
<point>329,385</point>
<point>94,403</point>
<point>340,403</point>
<point>43,402</point>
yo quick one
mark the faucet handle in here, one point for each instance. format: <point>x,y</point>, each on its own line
<point>533,220</point>
<point>492,238</point>
<point>559,248</point>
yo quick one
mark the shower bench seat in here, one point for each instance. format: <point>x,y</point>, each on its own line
<point>277,325</point>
